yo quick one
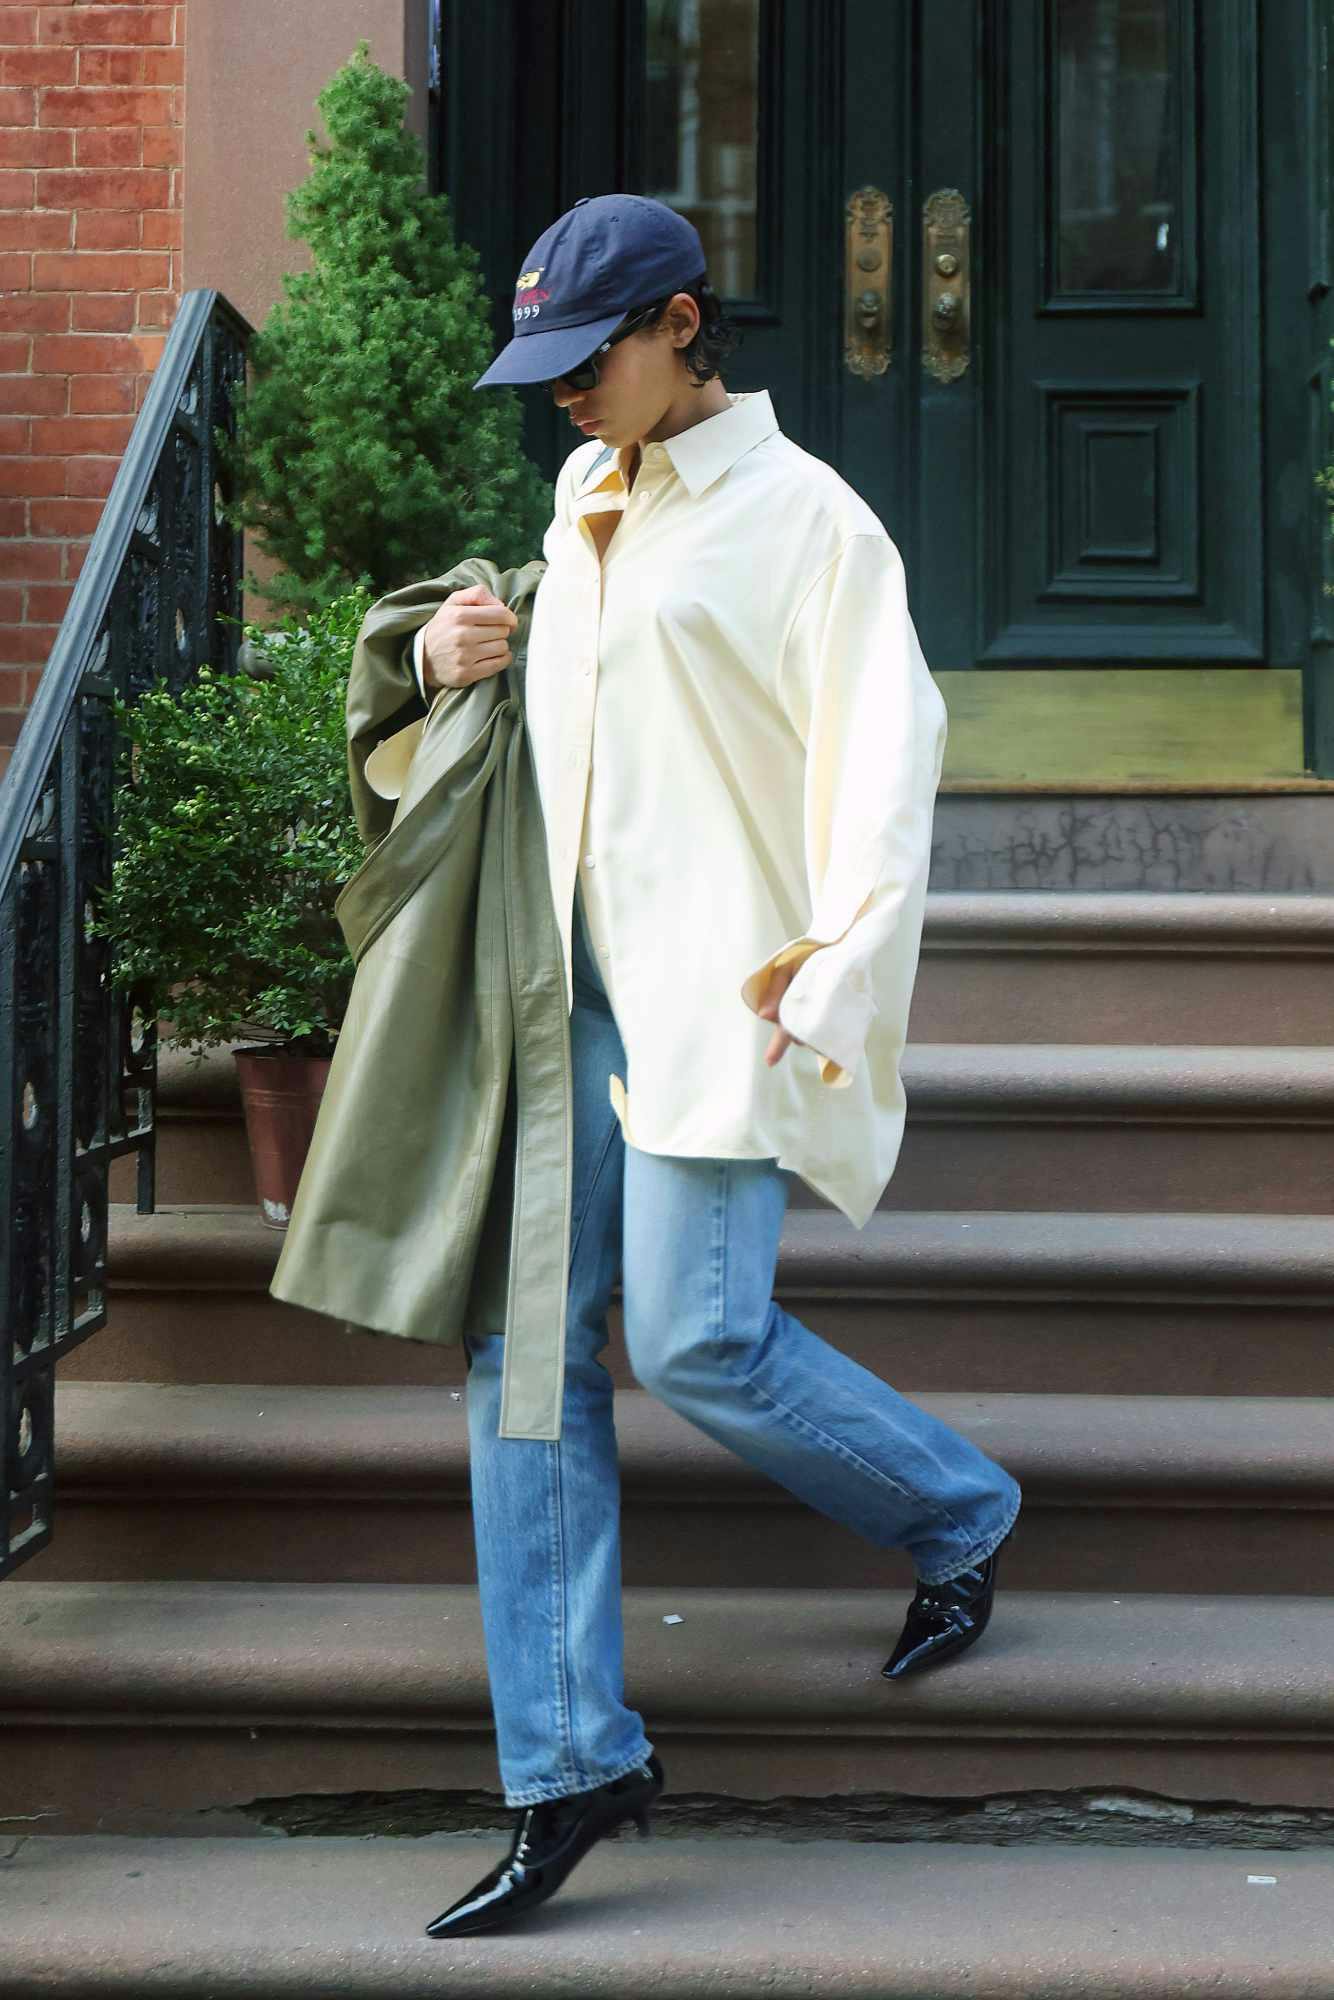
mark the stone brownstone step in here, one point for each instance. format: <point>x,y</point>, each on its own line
<point>140,1707</point>
<point>1068,1301</point>
<point>370,1484</point>
<point>677,1918</point>
<point>1124,966</point>
<point>991,1124</point>
<point>1182,1129</point>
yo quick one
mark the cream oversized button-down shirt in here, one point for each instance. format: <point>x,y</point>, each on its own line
<point>737,744</point>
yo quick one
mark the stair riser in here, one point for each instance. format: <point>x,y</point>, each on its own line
<point>84,1777</point>
<point>720,1540</point>
<point>1005,1162</point>
<point>198,1160</point>
<point>1155,998</point>
<point>1120,1347</point>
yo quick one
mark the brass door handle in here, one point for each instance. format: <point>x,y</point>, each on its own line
<point>946,269</point>
<point>868,315</point>
<point>868,264</point>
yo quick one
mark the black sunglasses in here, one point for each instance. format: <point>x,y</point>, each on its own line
<point>585,376</point>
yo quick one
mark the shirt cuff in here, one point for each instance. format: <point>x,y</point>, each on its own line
<point>827,1006</point>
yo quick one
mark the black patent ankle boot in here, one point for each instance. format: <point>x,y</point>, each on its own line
<point>549,1838</point>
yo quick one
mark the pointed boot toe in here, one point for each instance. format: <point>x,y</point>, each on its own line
<point>945,1618</point>
<point>549,1839</point>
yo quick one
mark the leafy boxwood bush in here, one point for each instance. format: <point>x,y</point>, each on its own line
<point>235,833</point>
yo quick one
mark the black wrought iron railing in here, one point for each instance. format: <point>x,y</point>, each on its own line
<point>78,1059</point>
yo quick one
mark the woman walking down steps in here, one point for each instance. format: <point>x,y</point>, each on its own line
<point>737,744</point>
<point>768,746</point>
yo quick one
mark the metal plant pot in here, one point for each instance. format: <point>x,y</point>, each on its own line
<point>280,1094</point>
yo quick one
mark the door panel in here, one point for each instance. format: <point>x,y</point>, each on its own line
<point>1085,486</point>
<point>1124,505</point>
<point>729,102</point>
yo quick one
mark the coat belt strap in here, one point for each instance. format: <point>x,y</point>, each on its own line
<point>533,1374</point>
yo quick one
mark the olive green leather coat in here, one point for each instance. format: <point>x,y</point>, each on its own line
<point>435,1198</point>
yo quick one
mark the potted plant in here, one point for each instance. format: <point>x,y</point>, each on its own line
<point>235,833</point>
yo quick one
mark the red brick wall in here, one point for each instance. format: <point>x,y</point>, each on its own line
<point>90,235</point>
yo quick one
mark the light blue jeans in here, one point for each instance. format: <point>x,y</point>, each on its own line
<point>695,1243</point>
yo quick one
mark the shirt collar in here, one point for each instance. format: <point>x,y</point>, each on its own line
<point>704,451</point>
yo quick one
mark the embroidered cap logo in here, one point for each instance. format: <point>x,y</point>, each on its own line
<point>527,282</point>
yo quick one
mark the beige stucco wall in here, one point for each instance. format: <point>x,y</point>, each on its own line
<point>253,71</point>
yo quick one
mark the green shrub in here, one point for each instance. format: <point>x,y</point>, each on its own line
<point>364,453</point>
<point>234,838</point>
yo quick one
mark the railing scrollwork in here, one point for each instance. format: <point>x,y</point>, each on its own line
<point>78,1060</point>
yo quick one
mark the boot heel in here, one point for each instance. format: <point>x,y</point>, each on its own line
<point>642,1822</point>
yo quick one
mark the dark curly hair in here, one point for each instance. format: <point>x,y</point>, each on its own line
<point>716,337</point>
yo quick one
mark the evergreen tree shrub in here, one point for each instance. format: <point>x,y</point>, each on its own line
<point>364,455</point>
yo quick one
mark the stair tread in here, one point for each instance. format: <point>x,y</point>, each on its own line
<point>224,1245</point>
<point>1073,1252</point>
<point>1173,922</point>
<point>1241,1079</point>
<point>1279,1084</point>
<point>163,1440</point>
<point>88,1915</point>
<point>397,1654</point>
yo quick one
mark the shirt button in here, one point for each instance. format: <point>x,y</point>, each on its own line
<point>604,953</point>
<point>588,861</point>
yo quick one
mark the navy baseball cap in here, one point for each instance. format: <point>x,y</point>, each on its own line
<point>606,256</point>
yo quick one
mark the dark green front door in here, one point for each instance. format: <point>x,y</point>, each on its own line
<point>1069,430</point>
<point>1041,277</point>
